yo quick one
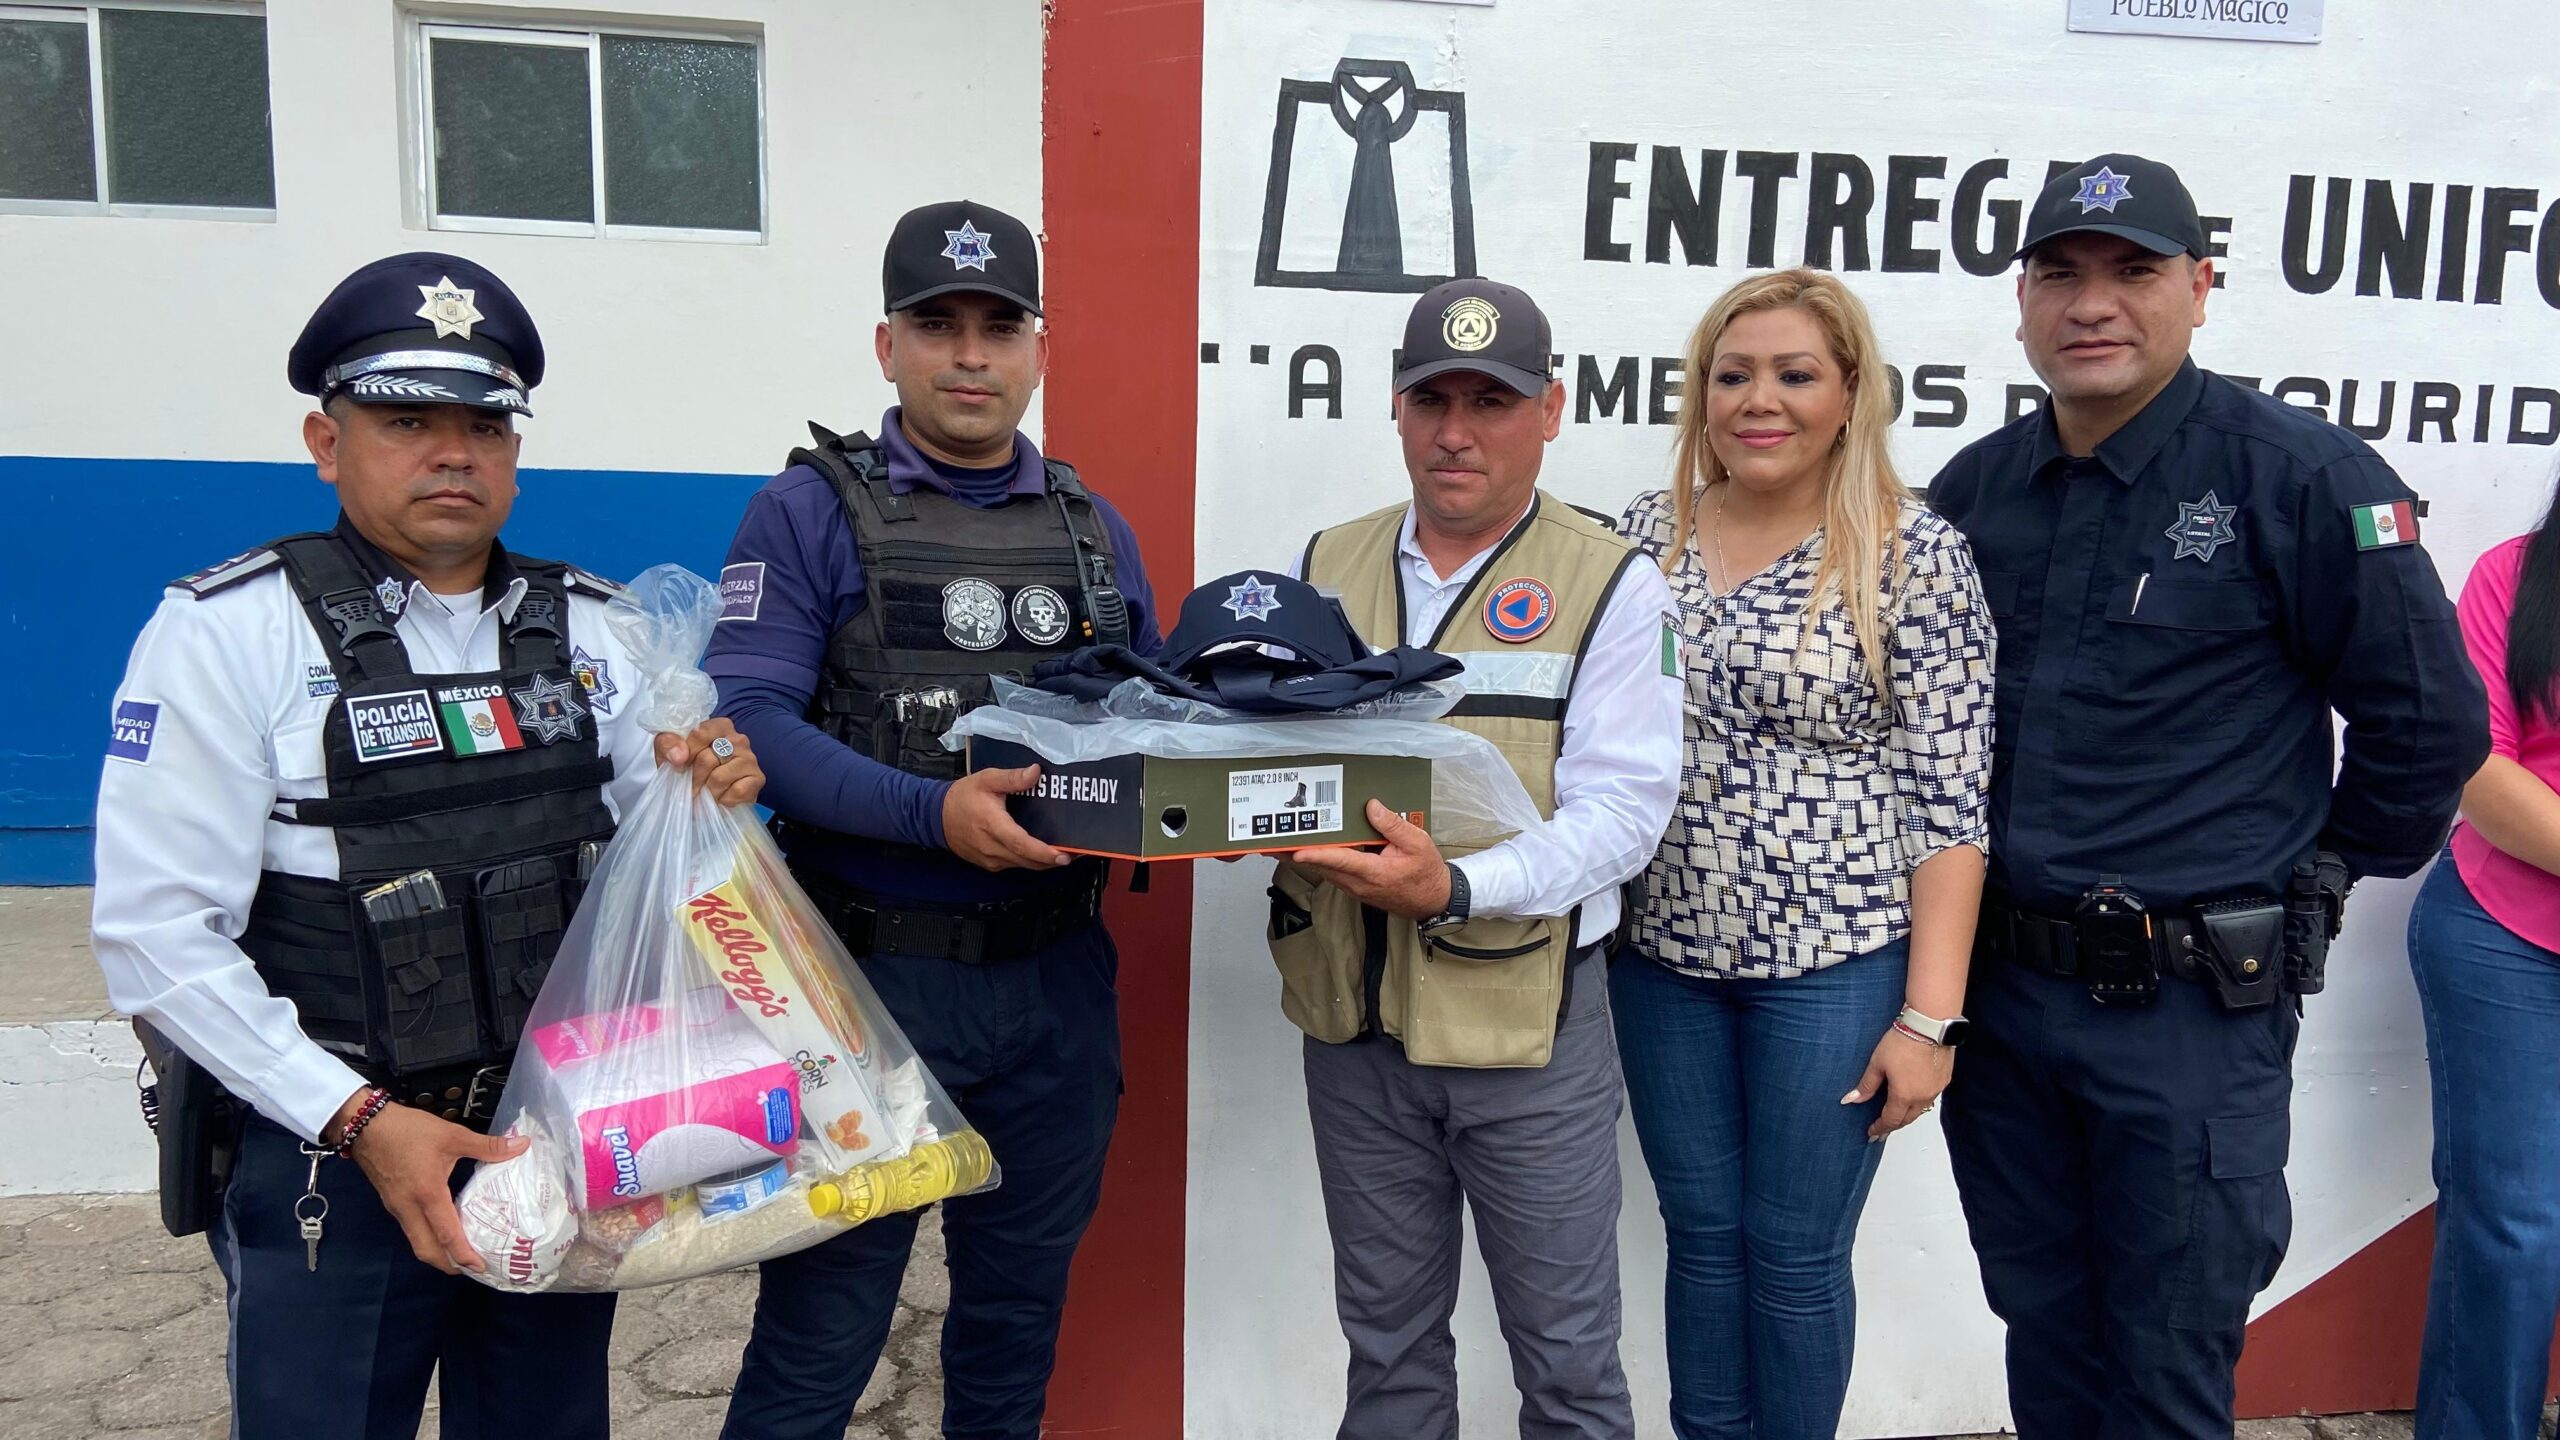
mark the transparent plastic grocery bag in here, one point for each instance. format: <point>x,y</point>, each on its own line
<point>706,1078</point>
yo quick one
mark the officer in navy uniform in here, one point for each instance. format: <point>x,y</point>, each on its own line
<point>2188,578</point>
<point>356,780</point>
<point>874,589</point>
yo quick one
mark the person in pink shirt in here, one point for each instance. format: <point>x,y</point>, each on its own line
<point>2484,944</point>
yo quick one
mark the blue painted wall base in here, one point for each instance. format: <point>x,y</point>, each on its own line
<point>99,539</point>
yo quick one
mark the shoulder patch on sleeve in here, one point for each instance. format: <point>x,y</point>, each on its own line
<point>741,591</point>
<point>129,738</point>
<point>593,583</point>
<point>2391,522</point>
<point>229,572</point>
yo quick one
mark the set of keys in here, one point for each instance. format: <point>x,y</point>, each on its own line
<point>313,1207</point>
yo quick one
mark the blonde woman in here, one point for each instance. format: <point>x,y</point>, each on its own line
<point>1800,950</point>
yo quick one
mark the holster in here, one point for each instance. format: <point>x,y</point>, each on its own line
<point>2315,903</point>
<point>197,1125</point>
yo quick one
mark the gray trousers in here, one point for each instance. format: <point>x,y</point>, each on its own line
<point>1534,1153</point>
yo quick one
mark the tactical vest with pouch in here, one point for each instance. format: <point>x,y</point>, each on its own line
<point>1485,994</point>
<point>954,595</point>
<point>468,811</point>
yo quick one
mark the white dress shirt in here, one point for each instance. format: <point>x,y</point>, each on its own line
<point>1618,774</point>
<point>244,688</point>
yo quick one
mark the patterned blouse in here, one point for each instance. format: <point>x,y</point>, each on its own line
<point>1807,797</point>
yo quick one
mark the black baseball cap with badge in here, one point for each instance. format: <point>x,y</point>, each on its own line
<point>959,245</point>
<point>2126,196</point>
<point>420,329</point>
<point>1478,326</point>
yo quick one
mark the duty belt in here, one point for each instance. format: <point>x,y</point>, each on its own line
<point>465,1095</point>
<point>987,933</point>
<point>2050,946</point>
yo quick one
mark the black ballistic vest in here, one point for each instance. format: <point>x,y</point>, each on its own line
<point>954,596</point>
<point>493,782</point>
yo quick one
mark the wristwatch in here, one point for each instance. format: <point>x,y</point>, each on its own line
<point>1455,914</point>
<point>1948,1033</point>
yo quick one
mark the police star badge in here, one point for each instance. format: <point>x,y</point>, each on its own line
<point>968,249</point>
<point>2103,191</point>
<point>1252,600</point>
<point>549,708</point>
<point>391,595</point>
<point>2203,527</point>
<point>448,307</point>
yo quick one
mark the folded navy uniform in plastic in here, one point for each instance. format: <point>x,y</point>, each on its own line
<point>1246,643</point>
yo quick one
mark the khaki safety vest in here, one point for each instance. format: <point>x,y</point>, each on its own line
<point>1486,994</point>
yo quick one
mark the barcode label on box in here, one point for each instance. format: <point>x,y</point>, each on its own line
<point>1283,801</point>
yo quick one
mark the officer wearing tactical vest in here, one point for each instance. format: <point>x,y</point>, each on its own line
<point>873,590</point>
<point>1456,1010</point>
<point>355,783</point>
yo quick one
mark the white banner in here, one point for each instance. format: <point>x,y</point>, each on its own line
<point>2393,264</point>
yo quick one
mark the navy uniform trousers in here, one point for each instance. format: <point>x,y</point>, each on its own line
<point>1030,1050</point>
<point>2122,1172</point>
<point>344,1352</point>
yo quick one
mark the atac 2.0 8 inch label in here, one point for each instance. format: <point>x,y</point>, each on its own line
<point>1284,800</point>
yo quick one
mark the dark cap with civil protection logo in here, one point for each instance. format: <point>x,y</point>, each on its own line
<point>955,246</point>
<point>1478,326</point>
<point>2126,196</point>
<point>420,329</point>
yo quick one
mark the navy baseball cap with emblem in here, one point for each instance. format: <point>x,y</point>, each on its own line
<point>420,329</point>
<point>2126,196</point>
<point>1249,608</point>
<point>1479,326</point>
<point>1220,653</point>
<point>955,246</point>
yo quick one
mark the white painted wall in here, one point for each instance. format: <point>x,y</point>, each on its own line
<point>664,355</point>
<point>2406,92</point>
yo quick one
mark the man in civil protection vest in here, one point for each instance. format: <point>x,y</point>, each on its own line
<point>356,783</point>
<point>1458,1047</point>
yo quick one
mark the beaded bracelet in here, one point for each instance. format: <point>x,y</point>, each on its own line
<point>374,1101</point>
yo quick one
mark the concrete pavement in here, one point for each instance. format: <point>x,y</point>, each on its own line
<point>108,1327</point>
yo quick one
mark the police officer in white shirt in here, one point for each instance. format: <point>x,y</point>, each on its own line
<point>356,781</point>
<point>1458,1048</point>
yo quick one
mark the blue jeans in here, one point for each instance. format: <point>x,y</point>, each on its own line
<point>1735,1086</point>
<point>2491,1000</point>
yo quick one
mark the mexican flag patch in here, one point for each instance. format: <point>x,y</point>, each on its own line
<point>2379,526</point>
<point>477,723</point>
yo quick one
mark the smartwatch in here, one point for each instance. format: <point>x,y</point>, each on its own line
<point>1455,914</point>
<point>1948,1033</point>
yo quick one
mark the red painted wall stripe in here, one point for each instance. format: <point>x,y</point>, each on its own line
<point>2348,1341</point>
<point>1121,156</point>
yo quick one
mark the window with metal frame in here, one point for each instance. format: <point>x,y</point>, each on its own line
<point>155,108</point>
<point>565,131</point>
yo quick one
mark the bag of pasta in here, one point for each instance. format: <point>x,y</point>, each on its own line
<point>706,1079</point>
